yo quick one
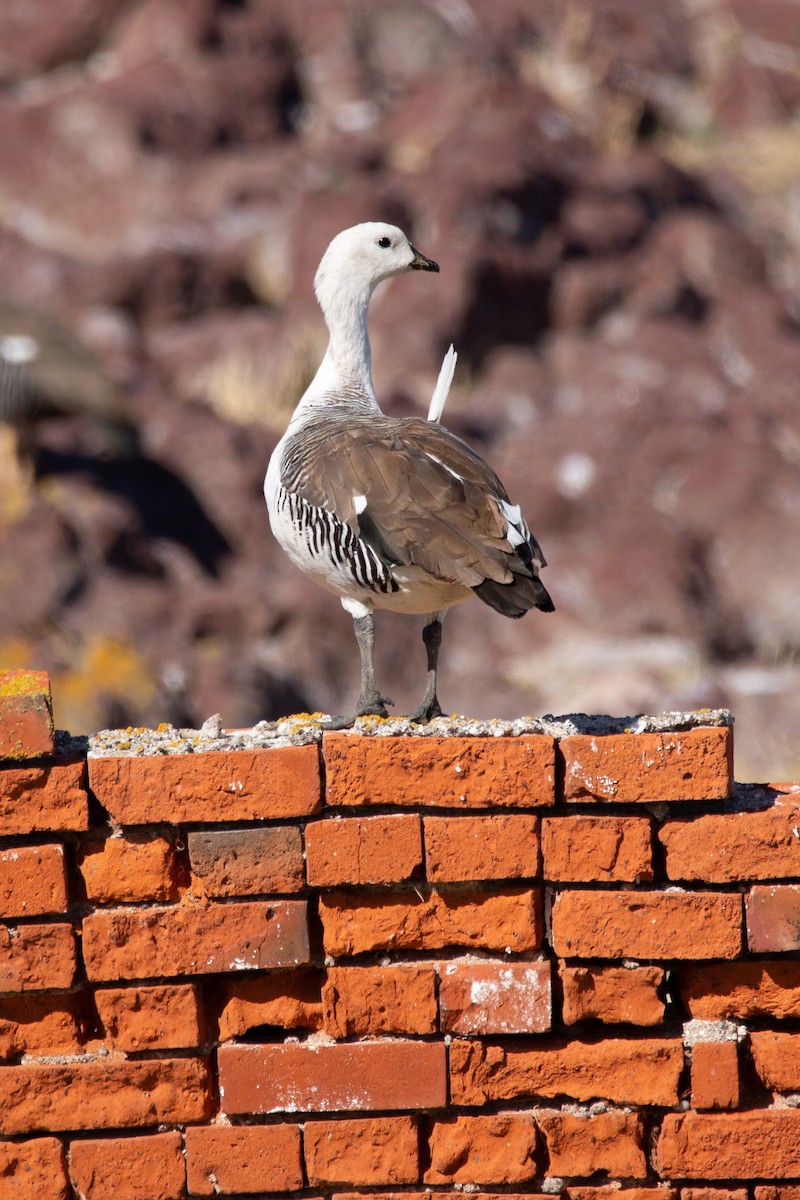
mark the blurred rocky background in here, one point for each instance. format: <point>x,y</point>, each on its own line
<point>612,189</point>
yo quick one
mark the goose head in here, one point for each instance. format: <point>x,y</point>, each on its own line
<point>360,258</point>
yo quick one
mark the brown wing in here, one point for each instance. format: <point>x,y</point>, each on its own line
<point>415,492</point>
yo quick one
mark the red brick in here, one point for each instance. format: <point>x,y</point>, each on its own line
<point>102,1094</point>
<point>714,1193</point>
<point>360,850</point>
<point>33,881</point>
<point>760,1144</point>
<point>26,715</point>
<point>480,997</point>
<point>228,1160</point>
<point>501,846</point>
<point>425,919</point>
<point>440,772</point>
<point>772,1192</point>
<point>715,1075</point>
<point>363,1001</point>
<point>770,987</point>
<point>332,1078</point>
<point>130,869</point>
<point>442,1195</point>
<point>580,1144</point>
<point>777,1059</point>
<point>605,924</point>
<point>245,785</point>
<point>36,957</point>
<point>773,918</point>
<point>31,1169</point>
<point>626,768</point>
<point>286,999</point>
<point>38,1023</point>
<point>161,1017</point>
<point>478,1150</point>
<point>584,849</point>
<point>612,1192</point>
<point>640,1071</point>
<point>248,862</point>
<point>730,847</point>
<point>44,799</point>
<point>125,943</point>
<point>367,1152</point>
<point>136,1168</point>
<point>612,994</point>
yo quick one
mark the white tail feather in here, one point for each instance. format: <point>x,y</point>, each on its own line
<point>442,389</point>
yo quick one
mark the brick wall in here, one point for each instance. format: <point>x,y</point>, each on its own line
<point>396,965</point>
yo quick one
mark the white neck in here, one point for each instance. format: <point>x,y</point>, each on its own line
<point>346,368</point>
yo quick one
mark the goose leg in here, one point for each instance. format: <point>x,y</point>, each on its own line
<point>432,637</point>
<point>370,702</point>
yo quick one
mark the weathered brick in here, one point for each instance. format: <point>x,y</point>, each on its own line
<point>773,1192</point>
<point>33,881</point>
<point>228,1160</point>
<point>776,1056</point>
<point>442,1195</point>
<point>714,1193</point>
<point>38,1023</point>
<point>34,1168</point>
<point>582,1144</point>
<point>732,846</point>
<point>36,957</point>
<point>586,849</point>
<point>715,1075</point>
<point>361,1076</point>
<point>166,940</point>
<point>606,924</point>
<point>477,1150</point>
<point>758,1144</point>
<point>130,869</point>
<point>129,1168</point>
<point>163,1016</point>
<point>443,772</point>
<point>44,799</point>
<point>640,1071</point>
<point>286,999</point>
<point>248,862</point>
<point>695,764</point>
<point>366,1152</point>
<point>26,715</point>
<point>480,997</point>
<point>611,994</point>
<point>245,785</point>
<point>759,988</point>
<point>500,846</point>
<point>773,918</point>
<point>363,1001</point>
<point>612,1192</point>
<point>103,1094</point>
<point>425,919</point>
<point>361,850</point>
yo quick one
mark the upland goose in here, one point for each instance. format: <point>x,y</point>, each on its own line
<point>390,512</point>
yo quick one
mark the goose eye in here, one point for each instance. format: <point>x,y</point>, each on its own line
<point>384,242</point>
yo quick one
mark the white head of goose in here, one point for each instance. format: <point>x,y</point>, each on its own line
<point>390,512</point>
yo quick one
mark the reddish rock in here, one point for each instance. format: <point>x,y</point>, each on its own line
<point>582,1145</point>
<point>128,1168</point>
<point>588,849</point>
<point>233,1160</point>
<point>364,1001</point>
<point>499,1149</point>
<point>369,1152</point>
<point>363,850</point>
<point>502,846</point>
<point>453,772</point>
<point>480,997</point>
<point>431,920</point>
<point>26,715</point>
<point>612,994</point>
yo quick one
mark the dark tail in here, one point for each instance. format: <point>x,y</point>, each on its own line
<point>516,598</point>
